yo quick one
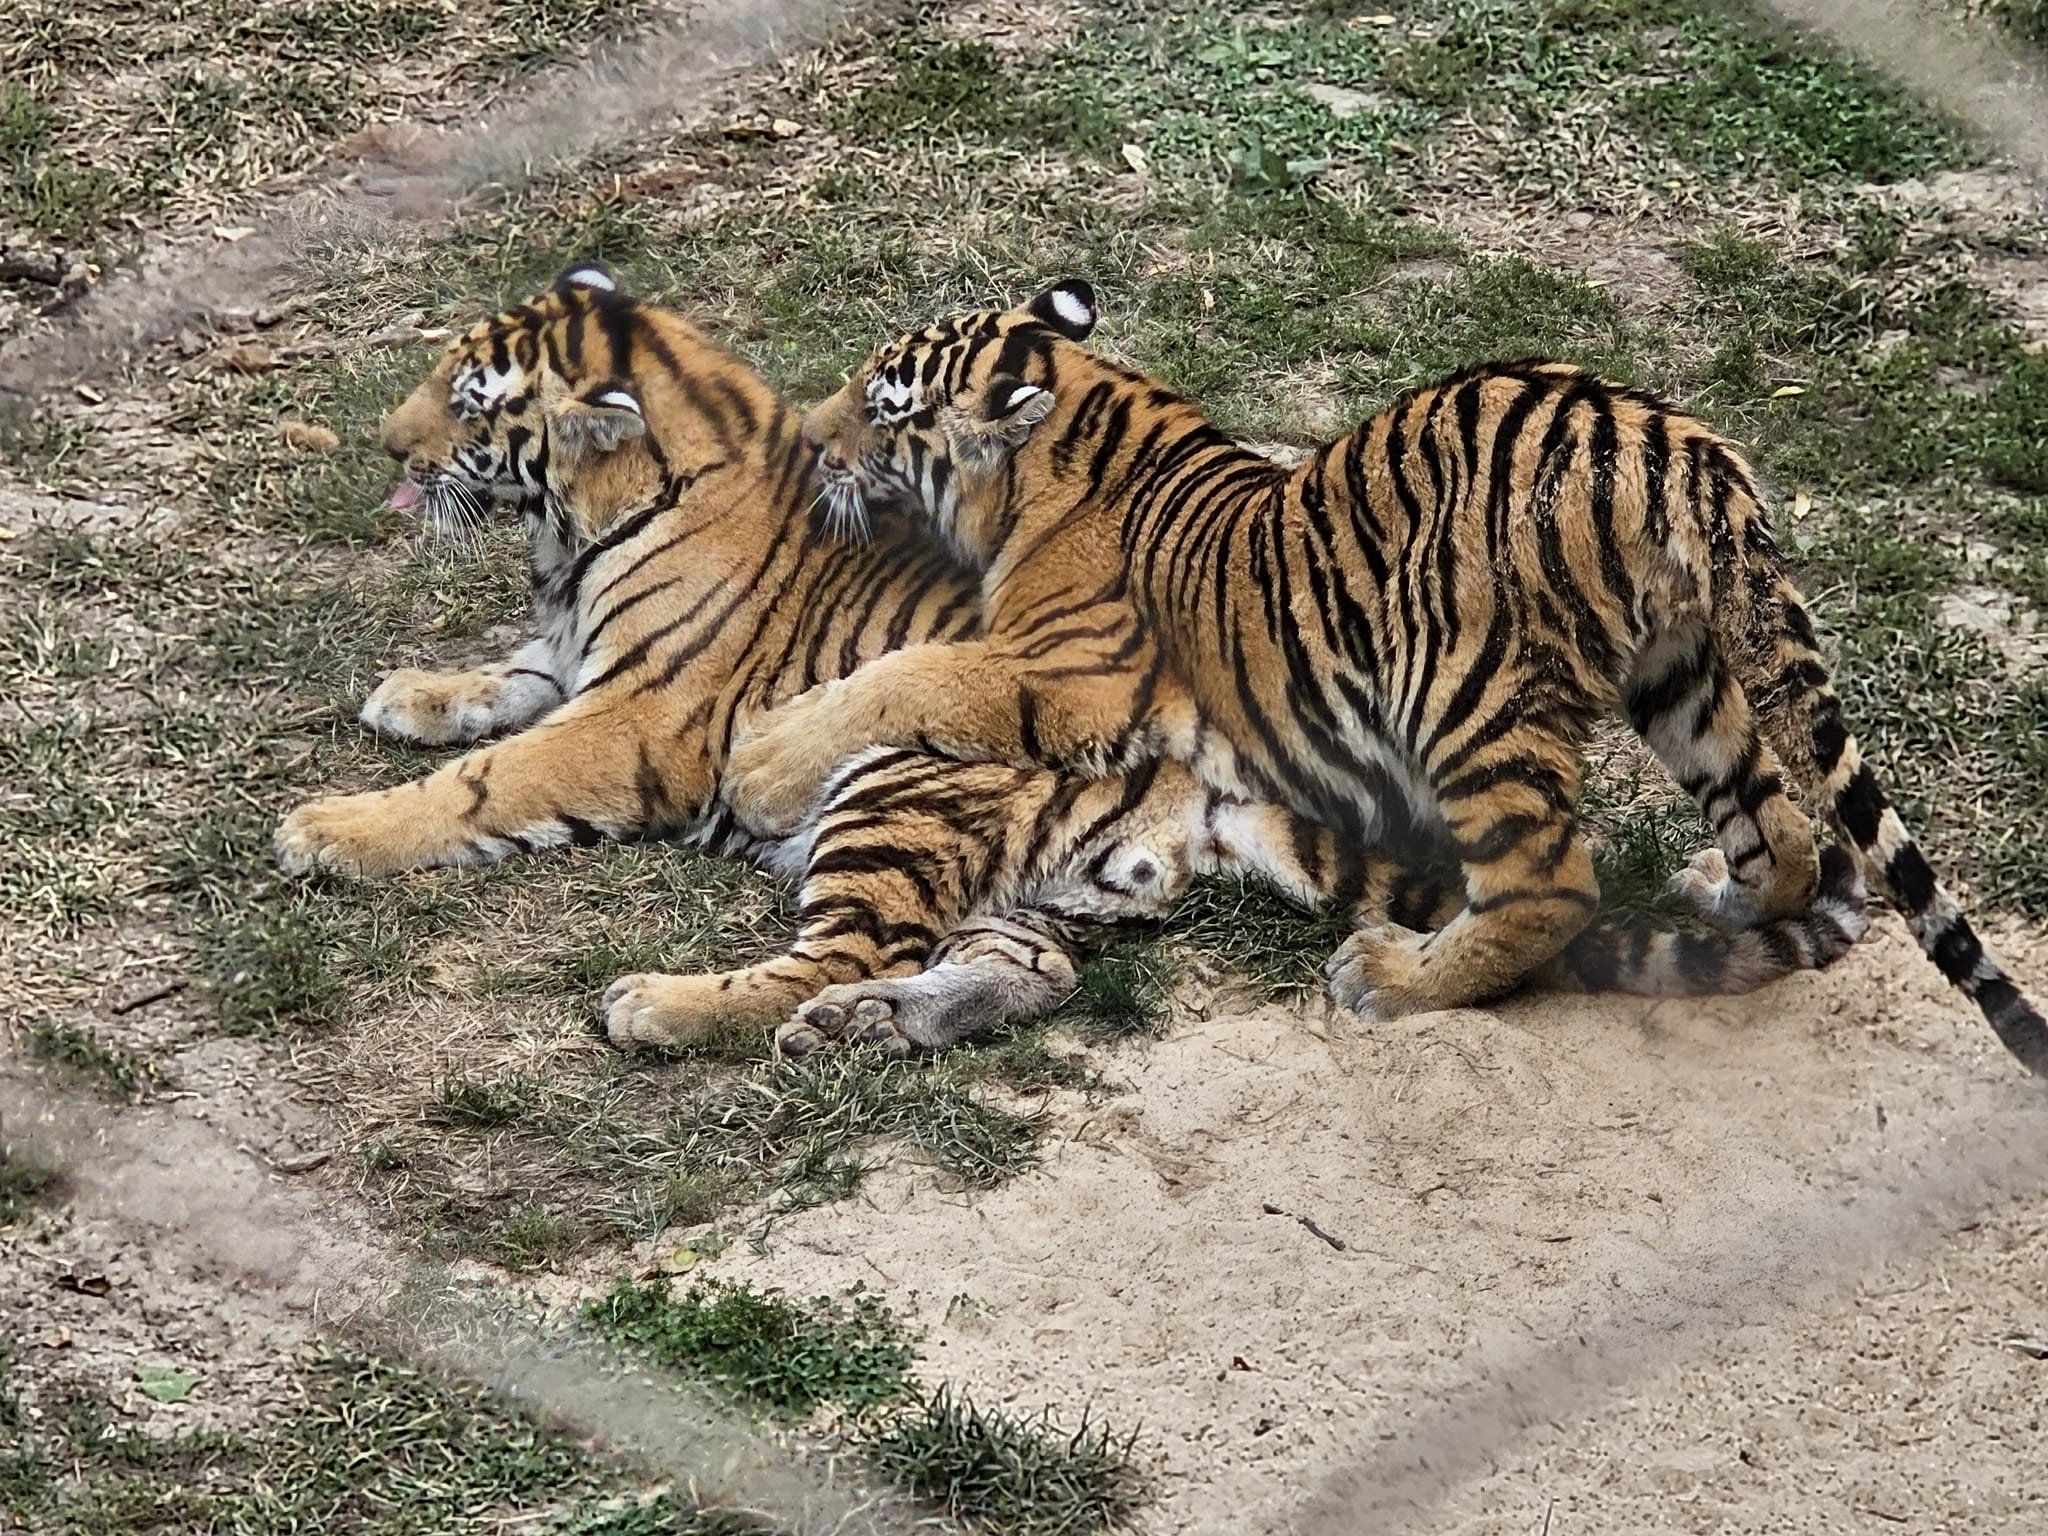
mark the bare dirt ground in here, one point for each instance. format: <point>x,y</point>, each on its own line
<point>1764,1264</point>
<point>1590,1264</point>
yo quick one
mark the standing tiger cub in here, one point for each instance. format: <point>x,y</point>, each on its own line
<point>1411,631</point>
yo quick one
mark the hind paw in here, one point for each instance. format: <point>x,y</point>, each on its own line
<point>1706,889</point>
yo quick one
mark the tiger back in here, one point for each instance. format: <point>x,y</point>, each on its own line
<point>1408,635</point>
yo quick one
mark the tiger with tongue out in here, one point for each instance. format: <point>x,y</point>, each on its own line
<point>678,581</point>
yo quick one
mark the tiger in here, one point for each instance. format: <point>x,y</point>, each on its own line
<point>680,580</point>
<point>1408,635</point>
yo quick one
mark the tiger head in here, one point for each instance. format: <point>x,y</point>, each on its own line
<point>929,421</point>
<point>544,410</point>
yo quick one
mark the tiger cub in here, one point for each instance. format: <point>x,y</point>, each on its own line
<point>678,578</point>
<point>1408,634</point>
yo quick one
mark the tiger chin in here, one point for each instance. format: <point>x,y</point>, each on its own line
<point>1411,631</point>
<point>681,585</point>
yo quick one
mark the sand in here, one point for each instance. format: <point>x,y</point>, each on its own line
<point>1740,1265</point>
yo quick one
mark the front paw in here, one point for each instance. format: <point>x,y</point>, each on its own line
<point>772,779</point>
<point>1373,973</point>
<point>854,1013</point>
<point>350,834</point>
<point>653,1009</point>
<point>433,711</point>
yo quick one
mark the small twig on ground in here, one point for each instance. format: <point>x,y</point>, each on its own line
<point>1335,1242</point>
<point>157,995</point>
<point>24,266</point>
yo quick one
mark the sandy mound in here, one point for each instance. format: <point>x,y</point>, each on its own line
<point>1628,1225</point>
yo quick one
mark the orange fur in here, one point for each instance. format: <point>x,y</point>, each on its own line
<point>1407,636</point>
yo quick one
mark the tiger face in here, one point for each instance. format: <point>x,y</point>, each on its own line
<point>926,423</point>
<point>515,417</point>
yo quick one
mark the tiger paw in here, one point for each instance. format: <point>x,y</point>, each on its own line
<point>350,834</point>
<point>854,1014</point>
<point>1374,973</point>
<point>1709,892</point>
<point>434,709</point>
<point>653,1009</point>
<point>773,777</point>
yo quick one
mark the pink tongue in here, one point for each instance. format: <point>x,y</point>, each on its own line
<point>406,497</point>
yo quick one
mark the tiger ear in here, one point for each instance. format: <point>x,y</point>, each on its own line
<point>1068,307</point>
<point>587,277</point>
<point>598,423</point>
<point>1009,409</point>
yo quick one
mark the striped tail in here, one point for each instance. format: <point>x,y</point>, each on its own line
<point>1621,953</point>
<point>1797,707</point>
<point>1425,888</point>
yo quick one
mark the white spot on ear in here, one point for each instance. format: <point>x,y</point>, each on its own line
<point>593,277</point>
<point>621,399</point>
<point>1072,308</point>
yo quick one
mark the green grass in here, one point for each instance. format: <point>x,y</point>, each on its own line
<point>1637,852</point>
<point>25,1186</point>
<point>2025,19</point>
<point>1120,993</point>
<point>1714,91</point>
<point>368,1448</point>
<point>50,192</point>
<point>657,1516</point>
<point>1016,1475</point>
<point>139,110</point>
<point>471,1103</point>
<point>785,1357</point>
<point>937,87</point>
<point>1746,101</point>
<point>1212,97</point>
<point>1504,308</point>
<point>25,127</point>
<point>1255,935</point>
<point>78,1052</point>
<point>802,1124</point>
<point>273,968</point>
<point>1019,1476</point>
<point>1919,447</point>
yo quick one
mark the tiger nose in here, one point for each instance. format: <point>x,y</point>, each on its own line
<point>826,455</point>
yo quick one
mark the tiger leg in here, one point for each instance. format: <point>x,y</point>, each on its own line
<point>989,973</point>
<point>1317,868</point>
<point>1529,888</point>
<point>842,939</point>
<point>1075,858</point>
<point>1688,706</point>
<point>436,709</point>
<point>582,775</point>
<point>903,847</point>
